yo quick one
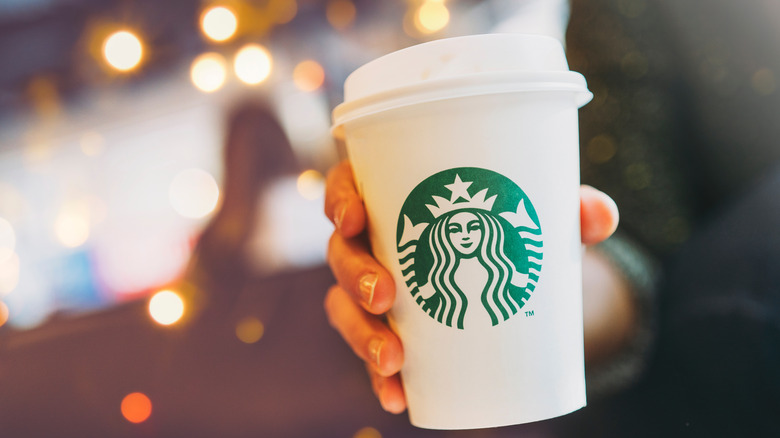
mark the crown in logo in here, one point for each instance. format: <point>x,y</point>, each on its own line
<point>460,199</point>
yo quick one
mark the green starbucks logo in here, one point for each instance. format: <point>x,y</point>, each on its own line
<point>470,247</point>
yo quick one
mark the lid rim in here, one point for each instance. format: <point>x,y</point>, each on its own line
<point>463,86</point>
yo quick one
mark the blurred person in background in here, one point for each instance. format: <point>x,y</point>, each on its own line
<point>263,226</point>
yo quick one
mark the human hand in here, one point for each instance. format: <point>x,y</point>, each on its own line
<point>365,290</point>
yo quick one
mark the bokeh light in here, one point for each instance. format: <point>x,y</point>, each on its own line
<point>123,50</point>
<point>282,11</point>
<point>432,16</point>
<point>7,240</point>
<point>600,149</point>
<point>166,307</point>
<point>91,143</point>
<point>249,330</point>
<point>44,95</point>
<point>219,23</point>
<point>253,64</point>
<point>367,432</point>
<point>208,72</point>
<point>311,184</point>
<point>136,407</point>
<point>763,82</point>
<point>340,13</point>
<point>9,274</point>
<point>72,225</point>
<point>3,313</point>
<point>38,148</point>
<point>194,193</point>
<point>308,75</point>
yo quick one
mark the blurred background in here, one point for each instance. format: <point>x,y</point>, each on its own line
<point>162,242</point>
<point>112,124</point>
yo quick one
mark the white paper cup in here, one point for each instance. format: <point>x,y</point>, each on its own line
<point>465,152</point>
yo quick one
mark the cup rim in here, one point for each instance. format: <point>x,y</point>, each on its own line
<point>476,84</point>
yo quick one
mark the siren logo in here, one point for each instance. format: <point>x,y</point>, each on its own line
<point>470,247</point>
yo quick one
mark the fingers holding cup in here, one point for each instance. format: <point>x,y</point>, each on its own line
<point>358,272</point>
<point>343,205</point>
<point>598,215</point>
<point>389,391</point>
<point>368,336</point>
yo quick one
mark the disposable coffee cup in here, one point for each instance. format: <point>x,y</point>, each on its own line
<point>466,154</point>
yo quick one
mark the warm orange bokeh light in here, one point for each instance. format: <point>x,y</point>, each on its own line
<point>219,23</point>
<point>249,330</point>
<point>340,13</point>
<point>136,407</point>
<point>166,307</point>
<point>367,432</point>
<point>311,184</point>
<point>282,11</point>
<point>431,17</point>
<point>208,72</point>
<point>252,64</point>
<point>3,313</point>
<point>308,75</point>
<point>123,50</point>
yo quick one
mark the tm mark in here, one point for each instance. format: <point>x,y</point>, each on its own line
<point>529,313</point>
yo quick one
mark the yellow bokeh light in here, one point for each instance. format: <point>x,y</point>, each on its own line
<point>208,72</point>
<point>249,330</point>
<point>7,240</point>
<point>432,17</point>
<point>9,274</point>
<point>3,313</point>
<point>72,225</point>
<point>367,432</point>
<point>193,193</point>
<point>166,307</point>
<point>123,50</point>
<point>219,23</point>
<point>311,184</point>
<point>308,75</point>
<point>340,13</point>
<point>253,64</point>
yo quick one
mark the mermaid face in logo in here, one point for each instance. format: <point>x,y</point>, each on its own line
<point>469,246</point>
<point>464,231</point>
<point>466,234</point>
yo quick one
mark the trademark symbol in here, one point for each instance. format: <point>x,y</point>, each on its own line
<point>529,313</point>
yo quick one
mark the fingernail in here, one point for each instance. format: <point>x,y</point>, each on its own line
<point>366,286</point>
<point>338,218</point>
<point>375,350</point>
<point>392,407</point>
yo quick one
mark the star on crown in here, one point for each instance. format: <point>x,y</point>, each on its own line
<point>460,199</point>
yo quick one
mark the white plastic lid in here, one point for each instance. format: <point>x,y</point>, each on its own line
<point>458,67</point>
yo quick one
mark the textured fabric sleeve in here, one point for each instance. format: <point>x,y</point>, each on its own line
<point>641,272</point>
